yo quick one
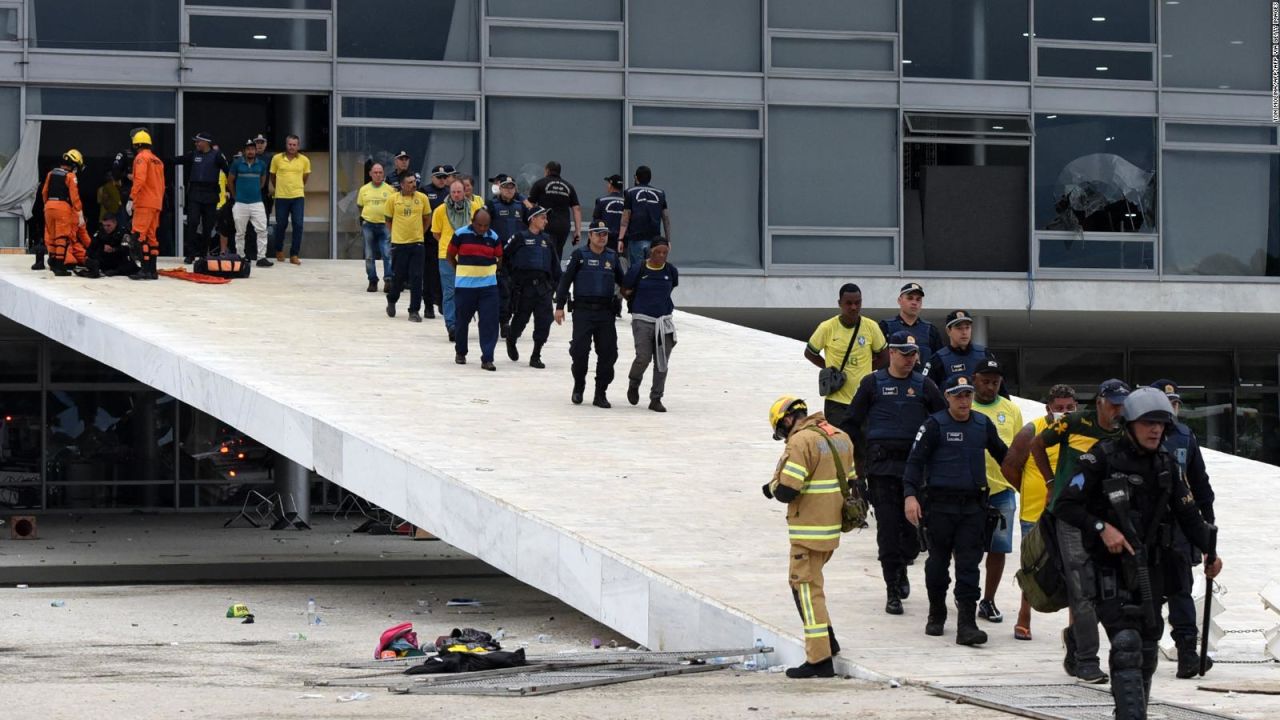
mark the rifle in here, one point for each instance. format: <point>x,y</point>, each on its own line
<point>1210,557</point>
<point>1117,492</point>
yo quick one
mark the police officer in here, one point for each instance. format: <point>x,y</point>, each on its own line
<point>534,273</point>
<point>506,210</point>
<point>960,356</point>
<point>1125,497</point>
<point>400,169</point>
<point>202,166</point>
<point>437,192</point>
<point>108,253</point>
<point>808,480</point>
<point>609,208</point>
<point>560,199</point>
<point>594,274</point>
<point>947,468</point>
<point>910,300</point>
<point>1182,443</point>
<point>892,403</point>
<point>644,216</point>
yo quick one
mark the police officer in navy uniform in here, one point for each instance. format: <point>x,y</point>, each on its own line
<point>506,210</point>
<point>436,192</point>
<point>1181,441</point>
<point>400,169</point>
<point>1127,494</point>
<point>893,403</point>
<point>609,208</point>
<point>945,484</point>
<point>644,216</point>
<point>534,274</point>
<point>594,274</point>
<point>202,166</point>
<point>561,201</point>
<point>910,300</point>
<point>961,356</point>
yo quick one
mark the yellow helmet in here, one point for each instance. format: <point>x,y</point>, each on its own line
<point>141,137</point>
<point>781,408</point>
<point>74,157</point>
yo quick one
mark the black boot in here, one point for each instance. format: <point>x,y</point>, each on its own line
<point>373,286</point>
<point>835,645</point>
<point>59,268</point>
<point>579,386</point>
<point>893,605</point>
<point>512,351</point>
<point>904,584</point>
<point>1130,694</point>
<point>937,619</point>
<point>1189,659</point>
<point>633,392</point>
<point>503,331</point>
<point>535,360</point>
<point>90,270</point>
<point>601,401</point>
<point>967,632</point>
<point>1069,664</point>
<point>824,669</point>
<point>39,263</point>
<point>656,405</point>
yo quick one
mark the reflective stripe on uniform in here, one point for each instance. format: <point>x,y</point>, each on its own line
<point>821,487</point>
<point>814,532</point>
<point>794,470</point>
<point>816,631</point>
<point>806,605</point>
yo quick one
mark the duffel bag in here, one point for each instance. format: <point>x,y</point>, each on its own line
<point>1041,577</point>
<point>224,266</point>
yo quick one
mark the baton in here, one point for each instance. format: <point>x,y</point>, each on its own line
<point>1209,559</point>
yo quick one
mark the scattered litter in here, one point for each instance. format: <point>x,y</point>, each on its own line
<point>310,696</point>
<point>501,634</point>
<point>544,638</point>
<point>58,603</point>
<point>595,643</point>
<point>895,684</point>
<point>337,542</point>
<point>355,697</point>
<point>778,669</point>
<point>174,644</point>
<point>292,636</point>
<point>22,586</point>
<point>240,610</point>
<point>463,602</point>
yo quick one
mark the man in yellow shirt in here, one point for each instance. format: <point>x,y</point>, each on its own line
<point>289,172</point>
<point>1020,469</point>
<point>408,215</point>
<point>1007,419</point>
<point>449,216</point>
<point>850,343</point>
<point>371,200</point>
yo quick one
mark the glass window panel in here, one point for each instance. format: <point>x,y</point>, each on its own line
<point>397,108</point>
<point>1258,425</point>
<point>970,125</point>
<point>1204,369</point>
<point>1094,64</point>
<point>1082,369</point>
<point>1222,214</point>
<point>1097,20</point>
<point>21,448</point>
<point>596,10</point>
<point>444,30</point>
<point>97,102</point>
<point>10,124</point>
<point>695,117</point>
<point>8,24</point>
<point>19,362</point>
<point>11,232</point>
<point>282,4</point>
<point>68,366</point>
<point>828,250</point>
<point>1095,173</point>
<point>1097,254</point>
<point>858,152</point>
<point>866,15</point>
<point>1259,367</point>
<point>543,43</point>
<point>1216,44</point>
<point>226,462</point>
<point>589,148</point>
<point>721,229</point>
<point>949,227</point>
<point>360,147</point>
<point>99,442</point>
<point>259,33</point>
<point>829,54</point>
<point>106,25</point>
<point>1237,134</point>
<point>970,39</point>
<point>674,34</point>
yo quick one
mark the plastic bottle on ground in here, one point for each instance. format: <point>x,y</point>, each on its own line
<point>311,611</point>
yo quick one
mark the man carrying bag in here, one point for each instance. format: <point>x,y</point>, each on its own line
<point>845,349</point>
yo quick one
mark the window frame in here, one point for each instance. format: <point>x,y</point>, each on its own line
<point>488,23</point>
<point>189,11</point>
<point>1152,50</point>
<point>892,38</point>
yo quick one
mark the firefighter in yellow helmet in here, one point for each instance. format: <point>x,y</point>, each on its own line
<point>146,199</point>
<point>807,480</point>
<point>65,236</point>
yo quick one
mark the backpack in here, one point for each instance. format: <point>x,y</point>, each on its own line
<point>223,266</point>
<point>1042,577</point>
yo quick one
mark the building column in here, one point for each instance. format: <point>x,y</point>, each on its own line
<point>979,331</point>
<point>294,480</point>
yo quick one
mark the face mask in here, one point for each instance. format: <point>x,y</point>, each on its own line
<point>1058,416</point>
<point>493,189</point>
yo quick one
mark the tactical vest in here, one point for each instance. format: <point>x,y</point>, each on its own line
<point>1179,444</point>
<point>954,363</point>
<point>204,167</point>
<point>959,463</point>
<point>58,187</point>
<point>922,331</point>
<point>898,407</point>
<point>533,252</point>
<point>595,277</point>
<point>508,218</point>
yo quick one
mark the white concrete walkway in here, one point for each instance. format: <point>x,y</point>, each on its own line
<point>653,524</point>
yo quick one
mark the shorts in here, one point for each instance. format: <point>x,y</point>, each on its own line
<point>1027,527</point>
<point>1006,501</point>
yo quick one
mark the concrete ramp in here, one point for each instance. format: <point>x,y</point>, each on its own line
<point>652,523</point>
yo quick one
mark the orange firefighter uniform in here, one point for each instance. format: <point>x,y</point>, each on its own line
<point>65,236</point>
<point>806,479</point>
<point>148,198</point>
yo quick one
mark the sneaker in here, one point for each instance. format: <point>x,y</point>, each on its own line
<point>1092,674</point>
<point>263,262</point>
<point>373,286</point>
<point>415,317</point>
<point>988,611</point>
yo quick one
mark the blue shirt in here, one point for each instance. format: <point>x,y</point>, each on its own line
<point>646,204</point>
<point>653,289</point>
<point>248,179</point>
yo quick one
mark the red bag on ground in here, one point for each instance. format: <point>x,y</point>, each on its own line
<point>403,631</point>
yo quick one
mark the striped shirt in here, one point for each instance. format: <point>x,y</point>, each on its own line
<point>477,257</point>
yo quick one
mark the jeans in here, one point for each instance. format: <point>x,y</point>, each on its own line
<point>377,241</point>
<point>245,214</point>
<point>289,211</point>
<point>446,289</point>
<point>1082,588</point>
<point>406,263</point>
<point>637,250</point>
<point>469,302</point>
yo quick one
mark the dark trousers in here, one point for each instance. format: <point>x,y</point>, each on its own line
<point>431,275</point>
<point>1081,591</point>
<point>110,263</point>
<point>559,234</point>
<point>468,302</point>
<point>202,219</point>
<point>289,212</point>
<point>531,297</point>
<point>505,306</point>
<point>954,531</point>
<point>1183,623</point>
<point>406,267</point>
<point>594,324</point>
<point>895,537</point>
<point>835,412</point>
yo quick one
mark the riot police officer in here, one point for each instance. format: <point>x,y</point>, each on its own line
<point>893,403</point>
<point>1181,441</point>
<point>947,467</point>
<point>594,274</point>
<point>534,273</point>
<point>1125,497</point>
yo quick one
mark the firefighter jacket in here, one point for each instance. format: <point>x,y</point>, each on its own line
<point>61,184</point>
<point>148,180</point>
<point>806,479</point>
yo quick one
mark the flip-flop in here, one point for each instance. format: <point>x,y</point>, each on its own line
<point>1021,632</point>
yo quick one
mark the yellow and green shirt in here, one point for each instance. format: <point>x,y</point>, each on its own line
<point>1081,432</point>
<point>830,340</point>
<point>371,199</point>
<point>1008,421</point>
<point>407,216</point>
